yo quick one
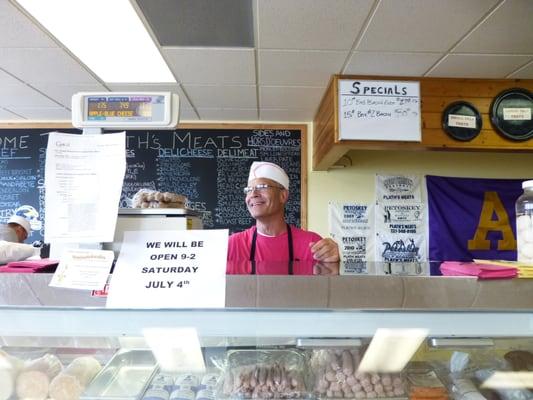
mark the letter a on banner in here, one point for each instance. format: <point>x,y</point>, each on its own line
<point>493,206</point>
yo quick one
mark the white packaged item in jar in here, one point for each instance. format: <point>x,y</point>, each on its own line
<point>184,386</point>
<point>160,386</point>
<point>206,394</point>
<point>182,394</point>
<point>524,223</point>
<point>186,379</point>
<point>156,394</point>
<point>209,381</point>
<point>163,379</point>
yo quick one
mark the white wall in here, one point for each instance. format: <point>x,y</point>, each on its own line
<point>356,183</point>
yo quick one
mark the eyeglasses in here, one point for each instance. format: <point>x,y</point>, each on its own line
<point>261,187</point>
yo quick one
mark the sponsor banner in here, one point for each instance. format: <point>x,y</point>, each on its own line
<point>358,268</point>
<point>405,218</point>
<point>401,225</point>
<point>471,218</point>
<point>404,269</point>
<point>398,189</point>
<point>400,248</point>
<point>351,225</point>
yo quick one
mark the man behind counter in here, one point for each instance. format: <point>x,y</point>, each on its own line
<point>16,230</point>
<point>272,239</point>
<point>12,236</point>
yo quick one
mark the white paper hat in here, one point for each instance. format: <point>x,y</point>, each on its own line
<point>262,169</point>
<point>17,219</point>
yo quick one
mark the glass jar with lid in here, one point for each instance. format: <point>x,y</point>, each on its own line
<point>524,223</point>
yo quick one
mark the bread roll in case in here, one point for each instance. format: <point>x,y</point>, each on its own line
<point>34,380</point>
<point>71,382</point>
<point>147,198</point>
<point>335,375</point>
<point>9,369</point>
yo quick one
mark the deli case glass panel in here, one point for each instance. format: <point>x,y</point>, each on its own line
<point>69,353</point>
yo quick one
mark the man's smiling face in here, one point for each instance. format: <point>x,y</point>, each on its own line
<point>266,202</point>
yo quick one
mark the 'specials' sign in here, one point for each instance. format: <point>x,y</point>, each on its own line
<point>379,110</point>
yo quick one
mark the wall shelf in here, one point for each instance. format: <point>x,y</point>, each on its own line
<point>435,94</point>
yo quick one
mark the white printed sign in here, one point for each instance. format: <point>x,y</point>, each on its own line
<point>461,121</point>
<point>398,188</point>
<point>83,181</point>
<point>401,248</point>
<point>401,225</point>
<point>517,114</point>
<point>379,110</point>
<point>403,218</point>
<point>177,350</point>
<point>83,269</point>
<point>394,213</point>
<point>351,225</point>
<point>345,218</point>
<point>164,269</point>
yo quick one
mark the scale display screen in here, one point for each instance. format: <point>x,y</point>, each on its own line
<point>125,108</point>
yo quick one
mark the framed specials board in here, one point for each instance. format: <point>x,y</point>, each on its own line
<point>208,163</point>
<point>379,110</point>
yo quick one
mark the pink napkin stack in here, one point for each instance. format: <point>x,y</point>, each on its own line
<point>30,266</point>
<point>482,271</point>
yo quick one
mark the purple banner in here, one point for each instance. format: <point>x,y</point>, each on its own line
<point>471,218</point>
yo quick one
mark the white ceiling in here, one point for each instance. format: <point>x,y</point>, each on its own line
<point>299,44</point>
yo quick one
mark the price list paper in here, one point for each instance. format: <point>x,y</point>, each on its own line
<point>83,181</point>
<point>379,110</point>
<point>162,269</point>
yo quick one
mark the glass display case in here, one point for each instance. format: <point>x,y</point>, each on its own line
<point>81,352</point>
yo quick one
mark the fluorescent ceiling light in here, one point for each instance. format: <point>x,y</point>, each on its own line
<point>106,35</point>
<point>509,380</point>
<point>176,349</point>
<point>391,349</point>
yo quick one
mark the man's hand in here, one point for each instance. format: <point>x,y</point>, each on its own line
<point>325,250</point>
<point>326,268</point>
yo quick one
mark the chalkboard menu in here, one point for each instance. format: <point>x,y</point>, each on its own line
<point>209,166</point>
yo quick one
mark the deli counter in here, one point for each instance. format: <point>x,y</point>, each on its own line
<point>312,337</point>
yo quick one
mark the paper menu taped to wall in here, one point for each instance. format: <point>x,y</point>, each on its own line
<point>83,182</point>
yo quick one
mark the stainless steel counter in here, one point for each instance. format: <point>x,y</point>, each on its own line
<point>361,292</point>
